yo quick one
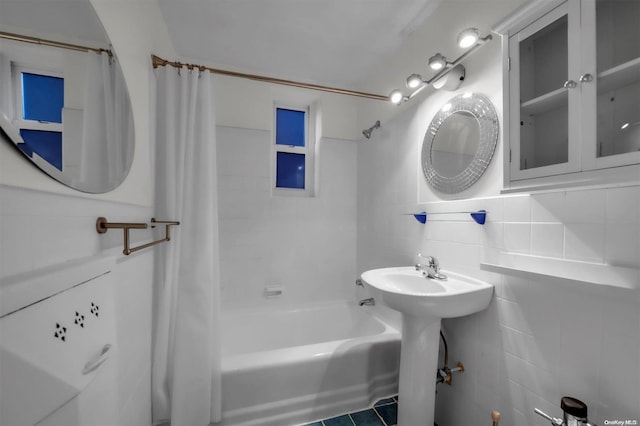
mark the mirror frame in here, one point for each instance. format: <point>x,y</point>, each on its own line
<point>481,108</point>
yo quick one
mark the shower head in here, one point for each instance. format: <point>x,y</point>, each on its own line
<point>367,132</point>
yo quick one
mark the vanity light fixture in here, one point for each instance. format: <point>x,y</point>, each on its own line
<point>397,97</point>
<point>438,62</point>
<point>467,39</point>
<point>414,80</point>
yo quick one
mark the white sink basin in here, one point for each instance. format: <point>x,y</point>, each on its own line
<point>408,291</point>
<point>423,302</point>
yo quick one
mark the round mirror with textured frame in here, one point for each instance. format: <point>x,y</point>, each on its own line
<point>459,143</point>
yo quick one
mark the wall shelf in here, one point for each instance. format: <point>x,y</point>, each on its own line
<point>588,272</point>
<point>619,76</point>
<point>616,77</point>
<point>547,102</point>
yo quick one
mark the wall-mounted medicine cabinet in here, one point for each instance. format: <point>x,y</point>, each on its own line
<point>572,91</point>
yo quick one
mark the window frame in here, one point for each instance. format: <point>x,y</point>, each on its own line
<point>308,150</point>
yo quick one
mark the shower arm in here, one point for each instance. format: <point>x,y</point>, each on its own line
<point>367,132</point>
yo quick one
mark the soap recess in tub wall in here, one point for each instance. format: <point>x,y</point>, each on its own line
<point>272,292</point>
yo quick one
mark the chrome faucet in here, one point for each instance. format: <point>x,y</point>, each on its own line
<point>368,302</point>
<point>430,268</point>
<point>574,413</point>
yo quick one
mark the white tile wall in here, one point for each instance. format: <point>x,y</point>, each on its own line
<point>517,237</point>
<point>547,239</point>
<point>541,338</point>
<point>306,245</point>
<point>39,229</point>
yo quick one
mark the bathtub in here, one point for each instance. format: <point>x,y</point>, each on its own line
<point>293,366</point>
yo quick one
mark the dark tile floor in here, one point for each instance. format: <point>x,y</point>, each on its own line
<point>383,413</point>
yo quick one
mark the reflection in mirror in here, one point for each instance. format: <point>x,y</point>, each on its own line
<point>455,144</point>
<point>64,106</point>
<point>459,143</point>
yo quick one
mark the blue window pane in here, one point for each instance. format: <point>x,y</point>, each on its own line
<point>42,97</point>
<point>289,170</point>
<point>47,145</point>
<point>289,127</point>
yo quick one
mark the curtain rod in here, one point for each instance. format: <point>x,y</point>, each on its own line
<point>44,42</point>
<point>159,62</point>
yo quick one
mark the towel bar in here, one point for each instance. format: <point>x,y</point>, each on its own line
<point>103,225</point>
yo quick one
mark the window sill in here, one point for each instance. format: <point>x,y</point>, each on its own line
<point>291,192</point>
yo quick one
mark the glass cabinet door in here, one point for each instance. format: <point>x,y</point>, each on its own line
<point>618,82</point>
<point>542,59</point>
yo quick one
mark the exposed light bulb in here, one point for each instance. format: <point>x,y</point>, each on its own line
<point>468,37</point>
<point>624,126</point>
<point>437,62</point>
<point>396,97</point>
<point>414,80</point>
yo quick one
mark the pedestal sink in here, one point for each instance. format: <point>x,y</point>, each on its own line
<point>423,302</point>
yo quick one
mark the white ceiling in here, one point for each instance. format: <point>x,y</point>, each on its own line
<point>63,20</point>
<point>330,42</point>
<point>337,43</point>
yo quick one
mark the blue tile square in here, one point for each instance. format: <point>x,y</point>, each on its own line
<point>384,402</point>
<point>366,418</point>
<point>339,421</point>
<point>389,413</point>
<point>314,424</point>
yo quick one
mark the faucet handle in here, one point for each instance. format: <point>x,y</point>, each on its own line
<point>554,420</point>
<point>433,263</point>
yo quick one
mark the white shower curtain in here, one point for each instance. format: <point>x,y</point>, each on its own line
<point>186,359</point>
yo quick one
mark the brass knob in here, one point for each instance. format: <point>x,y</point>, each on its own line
<point>495,416</point>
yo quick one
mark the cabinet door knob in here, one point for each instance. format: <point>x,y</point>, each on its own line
<point>586,78</point>
<point>570,84</point>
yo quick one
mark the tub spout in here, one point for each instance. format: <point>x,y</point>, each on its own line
<point>368,302</point>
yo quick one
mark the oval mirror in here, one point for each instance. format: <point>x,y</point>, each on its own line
<point>459,143</point>
<point>64,104</point>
